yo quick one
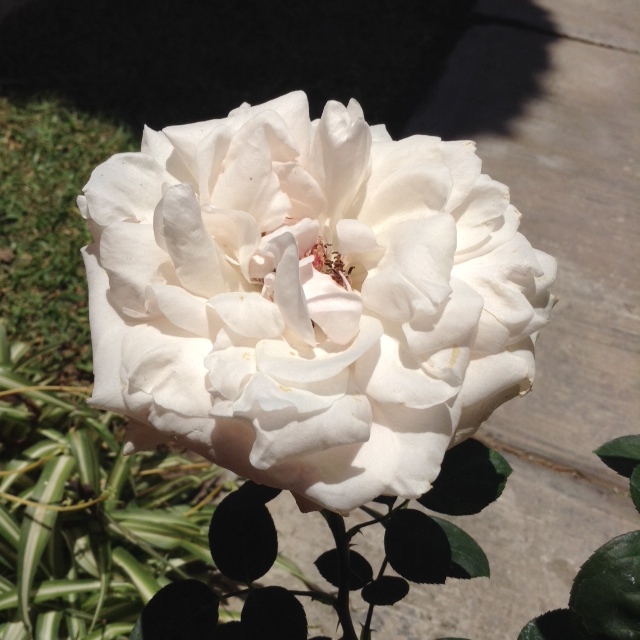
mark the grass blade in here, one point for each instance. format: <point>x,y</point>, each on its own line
<point>38,525</point>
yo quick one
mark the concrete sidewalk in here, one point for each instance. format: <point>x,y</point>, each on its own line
<point>570,72</point>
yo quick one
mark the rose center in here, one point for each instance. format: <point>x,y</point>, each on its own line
<point>331,263</point>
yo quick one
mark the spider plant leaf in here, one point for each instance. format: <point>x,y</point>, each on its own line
<point>84,451</point>
<point>37,526</point>
<point>48,625</point>
<point>139,575</point>
<point>14,631</point>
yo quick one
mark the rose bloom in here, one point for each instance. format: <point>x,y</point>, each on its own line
<point>310,304</point>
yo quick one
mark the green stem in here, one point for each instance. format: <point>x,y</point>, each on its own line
<point>339,532</point>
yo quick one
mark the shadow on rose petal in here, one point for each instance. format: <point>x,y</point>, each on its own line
<point>164,62</point>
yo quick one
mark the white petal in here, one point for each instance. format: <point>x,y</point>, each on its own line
<point>304,193</point>
<point>128,187</point>
<point>182,309</point>
<point>288,293</point>
<point>390,375</point>
<point>456,320</point>
<point>413,275</point>
<point>210,156</point>
<point>491,381</point>
<point>347,420</point>
<point>248,314</point>
<point>339,158</point>
<point>200,265</point>
<point>356,241</point>
<point>168,367</point>
<point>236,233</point>
<point>407,178</point>
<point>481,213</point>
<point>133,260</point>
<point>279,360</point>
<point>464,165</point>
<point>282,145</point>
<point>156,145</point>
<point>229,370</point>
<point>249,184</point>
<point>293,108</point>
<point>107,331</point>
<point>334,309</point>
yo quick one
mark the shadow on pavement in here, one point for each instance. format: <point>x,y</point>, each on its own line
<point>496,68</point>
<point>163,62</point>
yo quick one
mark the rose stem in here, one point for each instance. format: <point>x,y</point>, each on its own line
<point>336,524</point>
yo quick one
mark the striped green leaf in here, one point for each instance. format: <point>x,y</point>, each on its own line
<point>14,631</point>
<point>37,526</point>
<point>13,381</point>
<point>9,528</point>
<point>139,575</point>
<point>111,631</point>
<point>84,451</point>
<point>33,454</point>
<point>48,625</point>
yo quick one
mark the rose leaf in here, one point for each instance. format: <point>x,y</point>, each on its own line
<point>605,595</point>
<point>468,560</point>
<point>553,625</point>
<point>254,493</point>
<point>385,591</point>
<point>360,571</point>
<point>273,613</point>
<point>417,548</point>
<point>472,477</point>
<point>634,484</point>
<point>183,609</point>
<point>621,454</point>
<point>229,631</point>
<point>243,539</point>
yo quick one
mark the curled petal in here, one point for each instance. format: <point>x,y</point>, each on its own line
<point>288,293</point>
<point>200,265</point>
<point>281,361</point>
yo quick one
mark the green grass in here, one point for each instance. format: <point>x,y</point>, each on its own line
<point>48,153</point>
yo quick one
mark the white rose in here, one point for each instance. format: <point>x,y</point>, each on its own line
<point>309,304</point>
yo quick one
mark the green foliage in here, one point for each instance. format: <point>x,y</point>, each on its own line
<point>471,478</point>
<point>605,596</point>
<point>621,454</point>
<point>468,560</point>
<point>48,153</point>
<point>605,602</point>
<point>87,535</point>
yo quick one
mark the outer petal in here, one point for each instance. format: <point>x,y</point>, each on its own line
<point>133,260</point>
<point>127,187</point>
<point>407,178</point>
<point>107,332</point>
